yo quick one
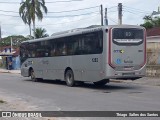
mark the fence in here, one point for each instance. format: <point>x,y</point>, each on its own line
<point>153,59</point>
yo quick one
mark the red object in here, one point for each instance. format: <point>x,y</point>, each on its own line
<point>153,31</point>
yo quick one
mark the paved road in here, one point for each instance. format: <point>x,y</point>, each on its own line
<point>53,95</point>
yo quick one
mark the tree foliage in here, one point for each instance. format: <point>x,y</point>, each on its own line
<point>16,40</point>
<point>151,22</point>
<point>40,33</point>
<point>25,14</point>
<point>30,9</point>
<point>147,25</point>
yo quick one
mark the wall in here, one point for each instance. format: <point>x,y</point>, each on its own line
<point>153,57</point>
<point>16,63</point>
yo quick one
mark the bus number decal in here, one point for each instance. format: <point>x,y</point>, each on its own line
<point>94,59</point>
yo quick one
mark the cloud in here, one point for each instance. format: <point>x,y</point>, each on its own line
<point>133,12</point>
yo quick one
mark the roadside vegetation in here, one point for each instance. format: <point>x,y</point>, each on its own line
<point>151,22</point>
<point>16,40</point>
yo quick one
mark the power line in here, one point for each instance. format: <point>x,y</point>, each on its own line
<point>10,2</point>
<point>59,11</point>
<point>56,12</point>
<point>112,20</point>
<point>8,11</point>
<point>58,16</point>
<point>45,2</point>
<point>133,12</point>
<point>88,18</point>
<point>65,1</point>
<point>112,7</point>
<point>130,12</point>
<point>134,9</point>
<point>74,10</point>
<point>9,15</point>
<point>72,15</point>
<point>111,11</point>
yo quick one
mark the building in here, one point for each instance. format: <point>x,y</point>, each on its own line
<point>153,51</point>
<point>10,60</point>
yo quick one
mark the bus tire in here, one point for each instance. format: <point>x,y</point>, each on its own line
<point>69,78</point>
<point>33,77</point>
<point>101,83</point>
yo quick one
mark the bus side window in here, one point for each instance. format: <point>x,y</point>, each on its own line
<point>98,43</point>
<point>64,49</point>
<point>53,48</point>
<point>76,48</point>
<point>71,45</point>
<point>53,52</point>
<point>78,45</point>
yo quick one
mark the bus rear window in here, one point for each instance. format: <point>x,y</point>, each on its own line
<point>128,36</point>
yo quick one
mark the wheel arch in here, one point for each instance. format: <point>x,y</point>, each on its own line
<point>69,77</point>
<point>68,68</point>
<point>29,71</point>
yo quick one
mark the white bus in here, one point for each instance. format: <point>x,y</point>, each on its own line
<point>87,55</point>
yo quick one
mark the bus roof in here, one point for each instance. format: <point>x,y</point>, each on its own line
<point>79,31</point>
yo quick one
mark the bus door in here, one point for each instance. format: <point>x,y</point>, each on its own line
<point>43,54</point>
<point>127,48</point>
<point>92,47</point>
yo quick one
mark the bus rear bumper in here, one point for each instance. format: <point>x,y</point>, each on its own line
<point>126,75</point>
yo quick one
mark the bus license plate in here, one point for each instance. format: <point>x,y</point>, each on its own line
<point>128,74</point>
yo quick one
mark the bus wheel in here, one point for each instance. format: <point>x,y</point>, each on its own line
<point>101,83</point>
<point>69,78</point>
<point>32,73</point>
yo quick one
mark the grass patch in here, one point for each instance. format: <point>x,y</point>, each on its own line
<point>2,101</point>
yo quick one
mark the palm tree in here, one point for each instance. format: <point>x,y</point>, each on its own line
<point>35,10</point>
<point>40,33</point>
<point>24,13</point>
<point>30,9</point>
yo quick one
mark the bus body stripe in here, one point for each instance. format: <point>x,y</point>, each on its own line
<point>109,53</point>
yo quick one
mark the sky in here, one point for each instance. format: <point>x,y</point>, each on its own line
<point>71,14</point>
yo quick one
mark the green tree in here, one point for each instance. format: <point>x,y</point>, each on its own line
<point>147,25</point>
<point>24,13</point>
<point>151,22</point>
<point>16,40</point>
<point>30,9</point>
<point>147,18</point>
<point>35,10</point>
<point>40,33</point>
<point>156,22</point>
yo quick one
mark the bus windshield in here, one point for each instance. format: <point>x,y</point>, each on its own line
<point>127,36</point>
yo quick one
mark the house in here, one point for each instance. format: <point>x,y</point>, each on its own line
<point>153,35</point>
<point>10,60</point>
<point>153,39</point>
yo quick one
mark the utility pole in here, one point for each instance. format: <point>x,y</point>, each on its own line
<point>119,13</point>
<point>101,15</point>
<point>106,19</point>
<point>11,44</point>
<point>0,32</point>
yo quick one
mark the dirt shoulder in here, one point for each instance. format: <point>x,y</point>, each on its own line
<point>16,103</point>
<point>153,81</point>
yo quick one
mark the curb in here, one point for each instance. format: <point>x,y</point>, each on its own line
<point>7,71</point>
<point>4,72</point>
